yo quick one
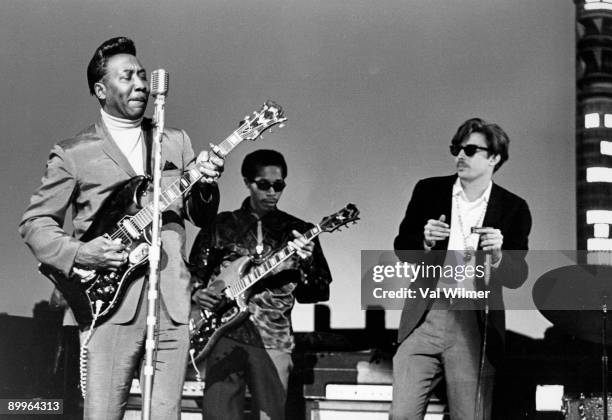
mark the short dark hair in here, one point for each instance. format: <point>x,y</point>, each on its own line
<point>97,65</point>
<point>258,159</point>
<point>497,139</point>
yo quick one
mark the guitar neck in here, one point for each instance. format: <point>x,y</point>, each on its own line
<point>260,271</point>
<point>178,188</point>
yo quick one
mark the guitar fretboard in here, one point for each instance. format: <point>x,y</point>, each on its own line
<point>257,273</point>
<point>178,188</point>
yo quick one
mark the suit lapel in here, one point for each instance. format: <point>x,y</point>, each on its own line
<point>445,206</point>
<point>492,219</point>
<point>494,212</point>
<point>147,132</point>
<point>112,150</point>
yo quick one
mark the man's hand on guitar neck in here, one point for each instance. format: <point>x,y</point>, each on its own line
<point>101,253</point>
<point>210,165</point>
<point>303,250</point>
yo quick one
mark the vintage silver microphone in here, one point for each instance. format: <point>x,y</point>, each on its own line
<point>159,90</point>
<point>159,82</point>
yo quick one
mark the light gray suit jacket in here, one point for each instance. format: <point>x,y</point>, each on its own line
<point>81,173</point>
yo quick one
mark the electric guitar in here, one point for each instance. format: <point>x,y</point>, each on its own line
<point>94,295</point>
<point>235,281</point>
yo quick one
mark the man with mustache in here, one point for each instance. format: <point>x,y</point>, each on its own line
<point>81,173</point>
<point>441,337</point>
<point>258,352</point>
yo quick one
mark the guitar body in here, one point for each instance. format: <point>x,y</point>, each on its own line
<point>206,327</point>
<point>106,287</point>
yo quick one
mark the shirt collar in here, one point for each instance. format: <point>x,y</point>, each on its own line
<point>458,191</point>
<point>246,208</point>
<point>115,123</point>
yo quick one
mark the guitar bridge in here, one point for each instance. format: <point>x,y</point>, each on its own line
<point>85,276</point>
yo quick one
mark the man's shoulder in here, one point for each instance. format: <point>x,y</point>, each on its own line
<point>506,195</point>
<point>437,182</point>
<point>173,131</point>
<point>291,218</point>
<point>444,179</point>
<point>176,134</point>
<point>224,216</point>
<point>85,137</point>
<point>232,220</point>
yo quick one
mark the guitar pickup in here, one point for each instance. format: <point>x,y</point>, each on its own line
<point>130,228</point>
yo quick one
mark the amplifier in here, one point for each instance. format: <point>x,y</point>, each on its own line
<point>191,403</point>
<point>355,385</point>
<point>364,367</point>
<point>362,410</point>
<point>191,389</point>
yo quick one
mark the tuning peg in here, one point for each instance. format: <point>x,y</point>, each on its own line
<point>281,125</point>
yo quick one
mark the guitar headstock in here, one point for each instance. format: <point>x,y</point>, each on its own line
<point>268,116</point>
<point>349,214</point>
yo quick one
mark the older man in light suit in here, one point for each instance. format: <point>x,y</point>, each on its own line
<point>81,173</point>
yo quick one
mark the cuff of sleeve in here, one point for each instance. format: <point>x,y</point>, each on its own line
<point>206,192</point>
<point>498,262</point>
<point>306,263</point>
<point>72,247</point>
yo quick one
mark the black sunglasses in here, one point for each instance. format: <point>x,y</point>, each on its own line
<point>469,149</point>
<point>264,185</point>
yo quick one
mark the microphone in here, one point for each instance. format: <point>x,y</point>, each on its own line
<point>159,82</point>
<point>159,89</point>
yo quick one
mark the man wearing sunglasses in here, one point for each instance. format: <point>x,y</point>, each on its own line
<point>437,340</point>
<point>258,352</point>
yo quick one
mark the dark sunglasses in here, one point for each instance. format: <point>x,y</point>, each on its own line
<point>264,185</point>
<point>469,149</point>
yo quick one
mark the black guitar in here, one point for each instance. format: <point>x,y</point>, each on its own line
<point>95,295</point>
<point>234,282</point>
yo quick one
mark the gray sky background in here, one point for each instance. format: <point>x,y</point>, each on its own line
<point>373,92</point>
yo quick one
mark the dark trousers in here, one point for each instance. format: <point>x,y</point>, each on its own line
<point>447,345</point>
<point>233,365</point>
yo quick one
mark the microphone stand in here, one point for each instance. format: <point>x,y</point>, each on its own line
<point>154,258</point>
<point>483,347</point>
